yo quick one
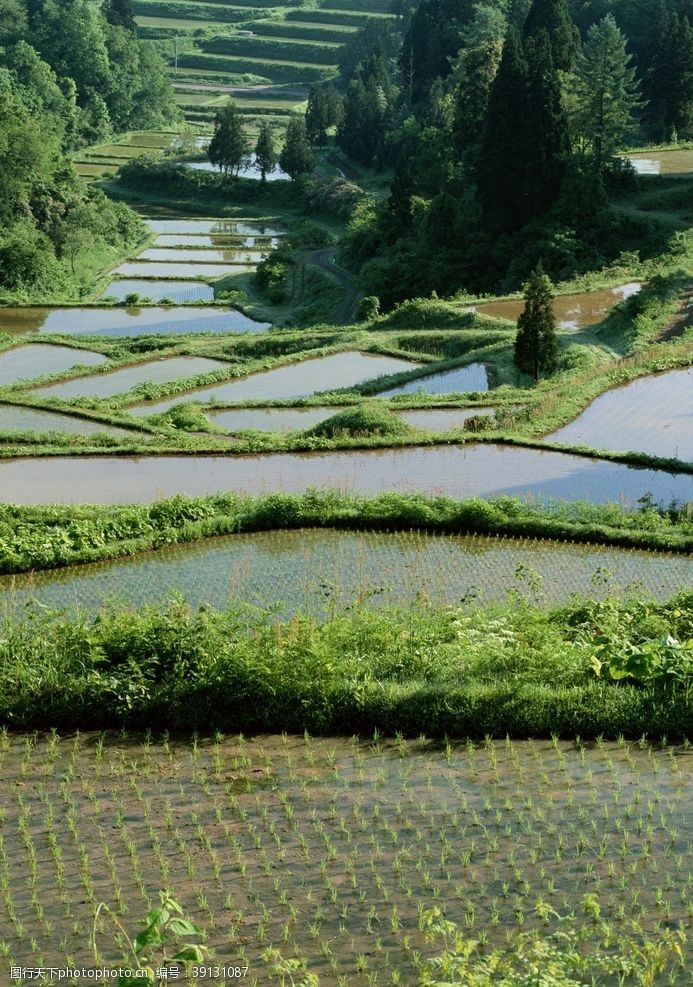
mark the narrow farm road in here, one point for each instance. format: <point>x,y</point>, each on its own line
<point>345,310</point>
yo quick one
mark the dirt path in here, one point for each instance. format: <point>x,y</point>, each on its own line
<point>681,321</point>
<point>345,310</point>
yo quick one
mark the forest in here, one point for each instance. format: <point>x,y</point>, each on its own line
<point>71,73</point>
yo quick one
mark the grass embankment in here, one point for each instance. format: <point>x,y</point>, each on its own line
<point>33,538</point>
<point>513,669</point>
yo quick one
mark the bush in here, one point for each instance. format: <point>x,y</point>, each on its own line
<point>366,420</point>
<point>369,308</point>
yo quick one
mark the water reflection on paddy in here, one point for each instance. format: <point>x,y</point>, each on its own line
<point>176,291</point>
<point>37,360</point>
<point>292,381</point>
<point>144,269</point>
<point>152,372</point>
<point>314,571</point>
<point>652,415</point>
<point>462,379</point>
<point>222,227</point>
<point>299,419</point>
<point>190,240</point>
<point>231,256</point>
<point>15,418</point>
<point>457,471</point>
<point>106,321</point>
<point>678,162</point>
<point>572,311</point>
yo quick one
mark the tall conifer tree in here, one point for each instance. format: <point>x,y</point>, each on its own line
<point>553,17</point>
<point>536,349</point>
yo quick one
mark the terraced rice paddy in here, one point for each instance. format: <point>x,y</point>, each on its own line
<point>573,312</point>
<point>457,471</point>
<point>175,291</point>
<point>120,381</point>
<point>460,380</point>
<point>126,321</point>
<point>334,849</point>
<point>653,415</point>
<point>250,170</point>
<point>37,360</point>
<point>662,162</point>
<point>200,241</point>
<point>326,373</point>
<point>196,256</point>
<point>162,271</point>
<point>220,227</point>
<point>298,419</point>
<point>317,572</point>
<point>15,418</point>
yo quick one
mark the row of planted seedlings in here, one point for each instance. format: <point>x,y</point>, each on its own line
<point>333,851</point>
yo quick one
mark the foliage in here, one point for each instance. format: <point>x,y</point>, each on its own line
<point>296,157</point>
<point>536,349</point>
<point>365,420</point>
<point>229,147</point>
<point>265,152</point>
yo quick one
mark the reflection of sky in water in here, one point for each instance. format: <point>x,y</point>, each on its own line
<point>317,569</point>
<point>36,360</point>
<point>177,291</point>
<point>250,170</point>
<point>458,471</point>
<point>461,379</point>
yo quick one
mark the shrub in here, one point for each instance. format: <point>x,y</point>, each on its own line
<point>366,420</point>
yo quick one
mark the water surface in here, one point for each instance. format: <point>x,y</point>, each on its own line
<point>14,418</point>
<point>144,269</point>
<point>442,419</point>
<point>572,311</point>
<point>652,414</point>
<point>299,419</point>
<point>119,381</point>
<point>237,256</point>
<point>662,162</point>
<point>314,571</point>
<point>250,170</point>
<point>201,240</point>
<point>105,321</point>
<point>37,360</point>
<point>456,471</point>
<point>222,227</point>
<point>295,380</point>
<point>460,380</point>
<point>176,291</point>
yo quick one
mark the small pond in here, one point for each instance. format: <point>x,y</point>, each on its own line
<point>313,571</point>
<point>231,256</point>
<point>460,380</point>
<point>106,321</point>
<point>250,170</point>
<point>37,360</point>
<point>573,312</point>
<point>652,414</point>
<point>295,380</point>
<point>119,381</point>
<point>176,291</point>
<point>143,269</point>
<point>473,470</point>
<point>14,418</point>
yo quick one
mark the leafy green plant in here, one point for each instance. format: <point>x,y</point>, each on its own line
<point>165,927</point>
<point>666,663</point>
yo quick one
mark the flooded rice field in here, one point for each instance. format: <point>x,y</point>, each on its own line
<point>231,256</point>
<point>37,360</point>
<point>573,312</point>
<point>460,380</point>
<point>175,291</point>
<point>295,380</point>
<point>652,415</point>
<point>127,321</point>
<point>318,571</point>
<point>119,381</point>
<point>250,170</point>
<point>220,227</point>
<point>298,419</point>
<point>457,471</point>
<point>146,269</point>
<point>15,418</point>
<point>335,848</point>
<point>678,162</point>
<point>201,240</point>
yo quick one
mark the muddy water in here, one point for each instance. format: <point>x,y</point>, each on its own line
<point>572,311</point>
<point>461,380</point>
<point>14,418</point>
<point>456,471</point>
<point>152,372</point>
<point>125,321</point>
<point>653,415</point>
<point>293,381</point>
<point>176,291</point>
<point>662,162</point>
<point>201,240</point>
<point>143,269</point>
<point>296,568</point>
<point>36,360</point>
<point>237,256</point>
<point>221,227</point>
